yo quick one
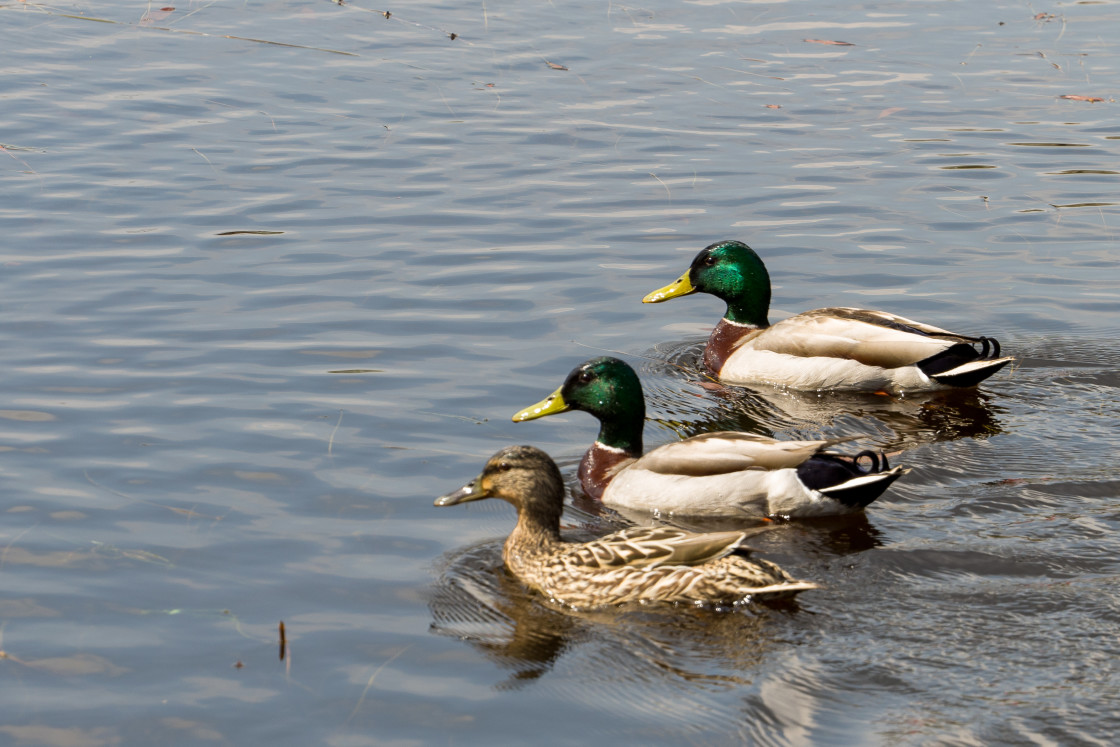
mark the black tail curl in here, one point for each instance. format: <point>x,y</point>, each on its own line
<point>957,355</point>
<point>989,347</point>
<point>877,461</point>
<point>830,472</point>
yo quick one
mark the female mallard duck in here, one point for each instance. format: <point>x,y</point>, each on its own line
<point>635,565</point>
<point>716,474</point>
<point>835,348</point>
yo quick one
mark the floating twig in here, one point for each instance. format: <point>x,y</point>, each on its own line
<point>372,677</point>
<point>330,445</point>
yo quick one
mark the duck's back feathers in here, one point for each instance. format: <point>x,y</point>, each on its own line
<point>664,563</point>
<point>848,348</point>
<point>650,546</point>
<point>745,476</point>
<point>873,338</point>
<point>725,452</point>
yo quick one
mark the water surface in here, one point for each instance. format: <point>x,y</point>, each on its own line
<point>277,274</point>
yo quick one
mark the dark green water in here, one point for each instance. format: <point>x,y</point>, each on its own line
<point>275,275</point>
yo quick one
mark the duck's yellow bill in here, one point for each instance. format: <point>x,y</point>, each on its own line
<point>682,286</point>
<point>550,405</point>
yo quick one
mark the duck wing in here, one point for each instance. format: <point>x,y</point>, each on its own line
<point>874,338</point>
<point>725,452</point>
<point>646,547</point>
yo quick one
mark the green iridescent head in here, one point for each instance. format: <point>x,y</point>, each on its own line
<point>731,271</point>
<point>607,388</point>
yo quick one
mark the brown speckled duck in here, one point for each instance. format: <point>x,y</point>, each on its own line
<point>648,564</point>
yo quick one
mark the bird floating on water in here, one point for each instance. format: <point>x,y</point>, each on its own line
<point>722,474</point>
<point>645,564</point>
<point>834,348</point>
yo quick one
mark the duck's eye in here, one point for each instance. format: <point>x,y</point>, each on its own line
<point>585,377</point>
<point>504,466</point>
<point>709,261</point>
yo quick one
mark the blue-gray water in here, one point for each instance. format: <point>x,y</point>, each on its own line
<point>275,274</point>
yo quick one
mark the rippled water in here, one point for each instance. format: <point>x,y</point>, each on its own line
<point>277,274</point>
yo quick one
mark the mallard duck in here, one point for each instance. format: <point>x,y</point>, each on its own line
<point>724,474</point>
<point>834,348</point>
<point>643,564</point>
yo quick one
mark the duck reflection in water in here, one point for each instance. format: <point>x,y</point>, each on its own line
<point>478,601</point>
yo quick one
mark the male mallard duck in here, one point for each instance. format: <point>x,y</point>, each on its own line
<point>835,348</point>
<point>642,564</point>
<point>715,474</point>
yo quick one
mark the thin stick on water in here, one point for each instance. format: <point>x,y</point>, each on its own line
<point>330,442</point>
<point>372,677</point>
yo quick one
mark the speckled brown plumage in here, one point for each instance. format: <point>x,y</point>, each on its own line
<point>635,565</point>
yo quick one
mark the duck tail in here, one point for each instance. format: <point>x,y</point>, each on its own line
<point>843,479</point>
<point>962,365</point>
<point>859,492</point>
<point>784,590</point>
<point>971,373</point>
